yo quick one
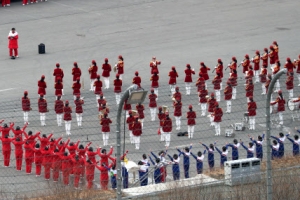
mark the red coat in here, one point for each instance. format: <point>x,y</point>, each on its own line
<point>93,71</point>
<point>106,70</point>
<point>104,157</point>
<point>154,79</point>
<point>203,72</point>
<point>152,100</point>
<point>126,106</point>
<point>219,70</point>
<point>78,105</point>
<point>272,57</point>
<point>137,80</point>
<point>228,93</point>
<point>56,161</point>
<point>173,75</point>
<point>118,85</point>
<point>98,86</point>
<point>100,102</point>
<point>177,109</point>
<point>280,102</point>
<point>77,165</point>
<point>72,149</point>
<point>211,104</point>
<point>92,155</point>
<point>66,162</point>
<point>42,87</point>
<point>263,75</point>
<point>297,65</point>
<point>26,104</point>
<point>76,72</point>
<point>245,64</point>
<point>167,125</point>
<point>161,116</point>
<point>264,59</point>
<point>289,67</point>
<point>252,108</point>
<point>191,116</point>
<point>233,79</point>
<point>249,90</point>
<point>217,80</point>
<point>45,140</point>
<point>188,75</point>
<point>137,128</point>
<point>38,156</point>
<point>18,147</point>
<point>13,40</point>
<point>256,61</point>
<point>47,157</point>
<point>30,139</point>
<point>42,104</point>
<point>53,143</point>
<point>105,125</point>
<point>76,88</point>
<point>67,113</point>
<point>289,82</point>
<point>6,143</point>
<point>202,96</point>
<point>58,88</point>
<point>19,133</point>
<point>250,74</point>
<point>218,113</point>
<point>154,67</point>
<point>130,121</point>
<point>5,131</point>
<point>59,107</point>
<point>177,95</point>
<point>58,73</point>
<point>140,109</point>
<point>29,153</point>
<point>120,67</point>
<point>232,66</point>
<point>200,83</point>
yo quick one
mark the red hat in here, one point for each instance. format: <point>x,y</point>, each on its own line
<point>173,67</point>
<point>246,56</point>
<point>274,42</point>
<point>279,92</point>
<point>190,106</point>
<point>216,104</point>
<point>152,89</point>
<point>177,88</point>
<point>93,61</point>
<point>75,63</point>
<point>257,52</point>
<point>136,73</point>
<point>202,63</point>
<point>219,60</point>
<point>106,60</point>
<point>43,76</point>
<point>25,92</point>
<point>98,75</point>
<point>188,65</point>
<point>271,47</point>
<point>212,94</point>
<point>77,79</point>
<point>265,49</point>
<point>77,96</point>
<point>117,75</point>
<point>120,57</point>
<point>159,108</point>
<point>67,102</point>
<point>288,59</point>
<point>233,58</point>
<point>57,64</point>
<point>129,112</point>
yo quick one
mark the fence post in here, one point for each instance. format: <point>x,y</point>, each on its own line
<point>268,126</point>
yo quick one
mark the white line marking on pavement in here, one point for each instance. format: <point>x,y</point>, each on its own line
<point>27,15</point>
<point>7,89</point>
<point>76,8</point>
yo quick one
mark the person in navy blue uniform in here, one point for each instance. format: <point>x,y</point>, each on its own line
<point>295,142</point>
<point>186,160</point>
<point>175,166</point>
<point>280,140</point>
<point>258,146</point>
<point>223,155</point>
<point>157,173</point>
<point>113,177</point>
<point>235,149</point>
<point>199,159</point>
<point>249,149</point>
<point>143,173</point>
<point>211,155</point>
<point>275,149</point>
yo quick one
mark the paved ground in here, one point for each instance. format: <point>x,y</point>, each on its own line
<point>177,32</point>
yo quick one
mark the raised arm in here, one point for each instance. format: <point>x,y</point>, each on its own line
<point>275,138</point>
<point>24,127</point>
<point>151,160</point>
<point>205,147</point>
<point>194,155</point>
<point>244,146</point>
<point>153,155</point>
<point>57,141</point>
<point>170,158</point>
<point>220,152</point>
<point>87,146</point>
<point>66,144</point>
<point>48,138</point>
<point>287,136</point>
<point>110,151</point>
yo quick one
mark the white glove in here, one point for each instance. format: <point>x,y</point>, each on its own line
<point>241,62</point>
<point>294,59</point>
<point>228,65</point>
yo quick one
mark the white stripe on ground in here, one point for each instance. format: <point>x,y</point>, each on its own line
<point>7,89</point>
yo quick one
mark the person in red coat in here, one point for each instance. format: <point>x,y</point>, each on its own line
<point>13,43</point>
<point>137,132</point>
<point>105,129</point>
<point>93,69</point>
<point>89,172</point>
<point>161,116</point>
<point>263,78</point>
<point>167,129</point>
<point>177,94</point>
<point>217,86</point>
<point>38,159</point>
<point>188,78</point>
<point>275,70</point>
<point>42,105</point>
<point>79,110</point>
<point>76,88</point>
<point>53,143</point>
<point>106,69</point>
<point>191,122</point>
<point>18,152</point>
<point>137,79</point>
<point>5,3</point>
<point>290,83</point>
<point>233,64</point>
<point>78,163</point>
<point>233,81</point>
<point>228,97</point>
<point>297,67</point>
<point>97,87</point>
<point>249,88</point>
<point>200,83</point>
<point>56,164</point>
<point>66,162</point>
<point>25,107</point>
<point>44,140</point>
<point>29,155</point>
<point>129,121</point>
<point>172,80</point>
<point>276,50</point>
<point>264,57</point>
<point>72,148</point>
<point>177,105</point>
<point>47,162</point>
<point>152,104</point>
<point>118,88</point>
<point>42,85</point>
<point>6,149</point>
<point>256,61</point>
<point>272,57</point>
<point>203,72</point>
<point>59,109</point>
<point>211,106</point>
<point>219,70</point>
<point>217,114</point>
<point>154,65</point>
<point>280,106</point>
<point>104,155</point>
<point>19,132</point>
<point>252,113</point>
<point>289,65</point>
<point>58,86</point>
<point>140,109</point>
<point>101,101</point>
<point>76,72</point>
<point>120,66</point>
<point>154,83</point>
<point>203,100</point>
<point>58,73</point>
<point>245,63</point>
<point>5,129</point>
<point>249,74</point>
<point>67,117</point>
<point>104,178</point>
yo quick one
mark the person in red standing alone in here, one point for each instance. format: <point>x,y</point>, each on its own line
<point>172,81</point>
<point>252,113</point>
<point>13,41</point>
<point>6,149</point>
<point>137,79</point>
<point>25,107</point>
<point>154,65</point>
<point>79,110</point>
<point>191,122</point>
<point>140,109</point>
<point>58,73</point>
<point>67,117</point>
<point>118,88</point>
<point>76,72</point>
<point>76,87</point>
<point>105,129</point>
<point>59,110</point>
<point>93,69</point>
<point>18,152</point>
<point>204,72</point>
<point>42,85</point>
<point>106,67</point>
<point>154,83</point>
<point>152,104</point>
<point>188,78</point>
